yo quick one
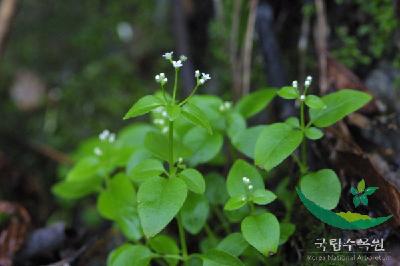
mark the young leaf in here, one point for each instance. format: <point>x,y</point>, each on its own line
<point>275,143</point>
<point>293,121</point>
<point>215,189</point>
<point>77,189</point>
<point>370,190</point>
<point>84,169</point>
<point>338,105</point>
<point>364,199</point>
<point>194,213</point>
<point>194,180</point>
<point>313,133</point>
<point>262,196</point>
<point>233,244</point>
<point>353,191</point>
<point>253,103</point>
<point>173,111</point>
<point>235,203</point>
<point>312,185</point>
<point>216,257</point>
<point>288,93</point>
<point>146,169</point>
<point>356,201</point>
<point>262,232</point>
<point>314,102</point>
<point>118,203</point>
<point>245,140</point>
<point>159,200</point>
<point>165,245</point>
<point>203,145</point>
<point>130,255</point>
<point>143,106</point>
<point>196,116</point>
<point>287,229</point>
<point>361,186</point>
<point>234,182</point>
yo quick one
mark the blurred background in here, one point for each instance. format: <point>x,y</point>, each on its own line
<point>69,69</point>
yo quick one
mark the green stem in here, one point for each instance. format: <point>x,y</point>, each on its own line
<point>209,232</point>
<point>175,85</point>
<point>190,95</point>
<point>222,219</point>
<point>171,147</point>
<point>182,239</point>
<point>303,148</point>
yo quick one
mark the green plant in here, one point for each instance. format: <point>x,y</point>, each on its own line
<point>149,174</point>
<point>360,194</point>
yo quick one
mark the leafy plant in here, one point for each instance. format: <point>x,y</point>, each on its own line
<point>360,194</point>
<point>149,174</point>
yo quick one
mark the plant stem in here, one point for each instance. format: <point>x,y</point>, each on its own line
<point>171,147</point>
<point>303,148</point>
<point>182,238</point>
<point>209,232</point>
<point>190,96</point>
<point>175,85</point>
<point>221,218</point>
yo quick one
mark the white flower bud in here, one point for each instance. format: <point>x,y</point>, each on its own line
<point>97,151</point>
<point>197,73</point>
<point>302,97</point>
<point>165,130</point>
<point>183,58</point>
<point>104,135</point>
<point>168,55</point>
<point>111,138</point>
<point>246,180</point>
<point>250,187</point>
<point>295,84</point>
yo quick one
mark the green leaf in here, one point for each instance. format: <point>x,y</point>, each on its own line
<point>314,102</point>
<point>173,111</point>
<point>84,169</point>
<point>235,124</point>
<point>194,213</point>
<point>216,257</point>
<point>288,93</point>
<point>245,140</point>
<point>287,229</point>
<point>118,203</point>
<point>364,200</point>
<point>159,200</point>
<point>356,201</point>
<point>275,143</point>
<point>130,255</point>
<point>165,245</point>
<point>203,145</point>
<point>146,169</point>
<point>353,191</point>
<point>361,186</point>
<point>338,105</point>
<point>313,133</point>
<point>293,122</point>
<point>158,145</point>
<point>314,187</point>
<point>370,190</point>
<point>143,106</point>
<point>133,136</point>
<point>234,182</point>
<point>194,180</point>
<point>192,113</point>
<point>262,232</point>
<point>233,244</point>
<point>215,189</point>
<point>235,203</point>
<point>77,189</point>
<point>255,102</point>
<point>262,197</point>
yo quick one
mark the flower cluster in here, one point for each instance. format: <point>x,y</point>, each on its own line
<point>106,135</point>
<point>308,81</point>
<point>160,78</point>
<point>247,182</point>
<point>201,78</point>
<point>225,106</point>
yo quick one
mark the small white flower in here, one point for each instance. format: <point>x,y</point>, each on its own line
<point>164,81</point>
<point>202,81</point>
<point>205,76</point>
<point>104,134</point>
<point>243,198</point>
<point>246,180</point>
<point>97,151</point>
<point>302,97</point>
<point>111,138</point>
<point>159,109</point>
<point>294,84</point>
<point>160,78</point>
<point>164,113</point>
<point>250,187</point>
<point>308,81</point>
<point>222,108</point>
<point>183,58</point>
<point>180,160</point>
<point>197,73</point>
<point>168,55</point>
<point>159,121</point>
<point>165,130</point>
<point>177,64</point>
<point>227,105</point>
